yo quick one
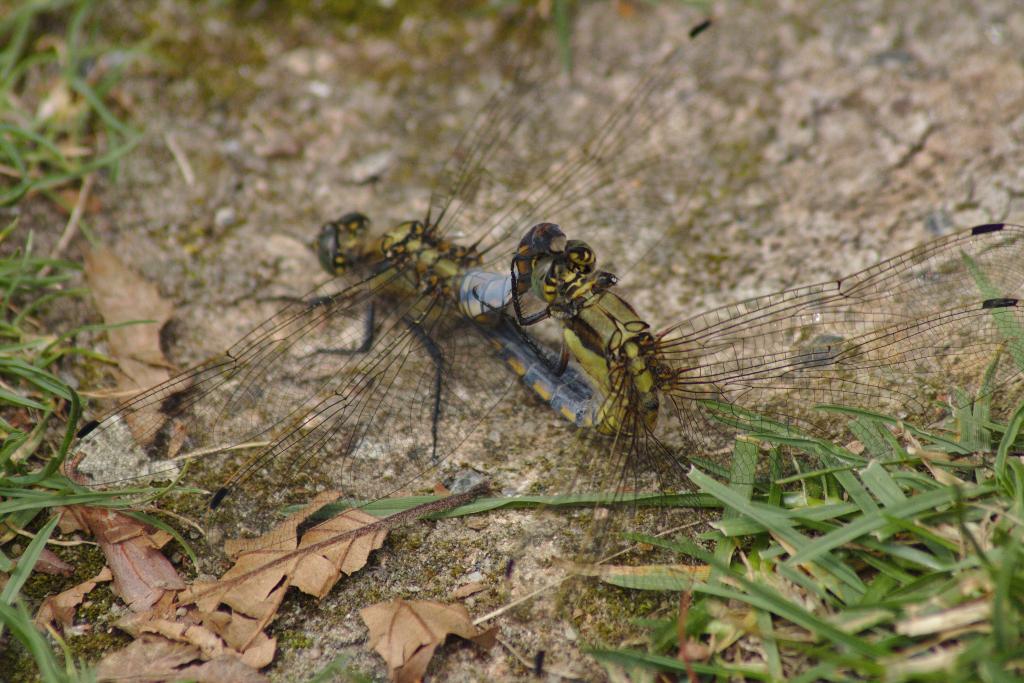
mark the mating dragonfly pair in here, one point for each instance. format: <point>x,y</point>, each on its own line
<point>374,386</point>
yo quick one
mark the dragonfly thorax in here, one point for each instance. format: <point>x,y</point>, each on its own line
<point>413,249</point>
<point>431,262</point>
<point>617,349</point>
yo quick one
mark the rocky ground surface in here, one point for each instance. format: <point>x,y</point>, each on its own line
<point>817,139</point>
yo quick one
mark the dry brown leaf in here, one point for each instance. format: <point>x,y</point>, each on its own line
<point>150,658</point>
<point>49,563</point>
<point>255,585</point>
<point>321,569</point>
<point>406,633</point>
<point>122,296</point>
<point>142,575</point>
<point>182,630</point>
<point>210,635</point>
<point>155,658</point>
<point>226,618</point>
<point>266,566</point>
<point>237,608</point>
<point>60,608</point>
<point>226,669</point>
<point>243,635</point>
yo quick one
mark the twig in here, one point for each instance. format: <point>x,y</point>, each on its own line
<point>50,541</point>
<point>180,159</point>
<point>71,227</point>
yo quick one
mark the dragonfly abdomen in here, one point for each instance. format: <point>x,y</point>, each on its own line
<point>569,394</point>
<point>483,295</point>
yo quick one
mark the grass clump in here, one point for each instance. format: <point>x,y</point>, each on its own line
<point>38,417</point>
<point>901,559</point>
<point>59,118</point>
<point>31,397</point>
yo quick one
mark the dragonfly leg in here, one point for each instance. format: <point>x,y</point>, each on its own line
<point>430,346</point>
<point>544,354</point>
<point>517,306</point>
<point>563,361</point>
<point>533,318</point>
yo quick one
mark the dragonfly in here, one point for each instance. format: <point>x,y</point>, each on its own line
<point>895,338</point>
<point>373,380</point>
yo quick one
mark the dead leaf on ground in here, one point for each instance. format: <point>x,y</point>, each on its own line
<point>60,608</point>
<point>142,575</point>
<point>221,670</point>
<point>242,603</point>
<point>122,296</point>
<point>221,619</point>
<point>155,658</point>
<point>50,563</point>
<point>406,633</point>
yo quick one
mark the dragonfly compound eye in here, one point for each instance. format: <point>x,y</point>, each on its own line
<point>604,280</point>
<point>543,238</point>
<point>580,256</point>
<point>338,242</point>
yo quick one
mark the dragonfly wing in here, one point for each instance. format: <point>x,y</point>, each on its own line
<point>530,156</point>
<point>225,401</point>
<point>897,338</point>
<point>299,404</point>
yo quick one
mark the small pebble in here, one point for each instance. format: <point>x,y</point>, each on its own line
<point>225,217</point>
<point>463,480</point>
<point>319,89</point>
<point>371,167</point>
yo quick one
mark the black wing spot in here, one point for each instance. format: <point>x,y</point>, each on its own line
<point>218,497</point>
<point>700,28</point>
<point>989,227</point>
<point>87,427</point>
<point>999,303</point>
<point>538,663</point>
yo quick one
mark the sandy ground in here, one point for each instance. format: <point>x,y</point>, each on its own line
<point>818,139</point>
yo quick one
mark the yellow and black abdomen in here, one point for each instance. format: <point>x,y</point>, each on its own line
<point>615,348</point>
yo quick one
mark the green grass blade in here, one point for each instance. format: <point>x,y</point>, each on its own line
<point>27,562</point>
<point>868,523</point>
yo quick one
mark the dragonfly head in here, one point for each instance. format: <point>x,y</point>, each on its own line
<point>338,245</point>
<point>540,241</point>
